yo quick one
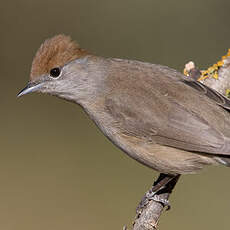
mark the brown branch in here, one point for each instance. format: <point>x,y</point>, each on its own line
<point>216,77</point>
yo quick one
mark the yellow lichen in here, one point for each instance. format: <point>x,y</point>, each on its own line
<point>227,93</point>
<point>203,76</point>
<point>186,73</point>
<point>212,72</point>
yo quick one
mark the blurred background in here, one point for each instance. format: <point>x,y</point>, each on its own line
<point>57,170</point>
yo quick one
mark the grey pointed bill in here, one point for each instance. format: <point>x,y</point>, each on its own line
<point>30,88</point>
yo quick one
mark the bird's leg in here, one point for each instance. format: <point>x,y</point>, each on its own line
<point>164,184</point>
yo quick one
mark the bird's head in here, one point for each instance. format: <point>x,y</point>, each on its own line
<point>60,67</point>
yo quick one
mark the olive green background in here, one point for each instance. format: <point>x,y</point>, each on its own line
<point>57,170</point>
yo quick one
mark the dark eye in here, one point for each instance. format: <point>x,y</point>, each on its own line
<point>55,72</point>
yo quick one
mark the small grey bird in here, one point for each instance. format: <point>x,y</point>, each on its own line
<point>156,115</point>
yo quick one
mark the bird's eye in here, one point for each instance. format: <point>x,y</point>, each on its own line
<point>55,72</point>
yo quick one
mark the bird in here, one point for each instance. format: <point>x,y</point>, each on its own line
<point>156,115</point>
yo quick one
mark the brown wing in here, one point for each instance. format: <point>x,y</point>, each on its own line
<point>209,92</point>
<point>181,114</point>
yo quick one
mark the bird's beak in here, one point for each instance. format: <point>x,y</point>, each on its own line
<point>31,87</point>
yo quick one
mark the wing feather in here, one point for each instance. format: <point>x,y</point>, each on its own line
<point>180,113</point>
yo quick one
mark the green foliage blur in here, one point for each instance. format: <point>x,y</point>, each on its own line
<point>57,170</point>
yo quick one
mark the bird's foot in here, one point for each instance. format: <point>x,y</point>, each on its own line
<point>144,201</point>
<point>151,195</point>
<point>163,185</point>
<point>164,202</point>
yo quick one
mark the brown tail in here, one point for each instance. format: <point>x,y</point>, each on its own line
<point>224,160</point>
